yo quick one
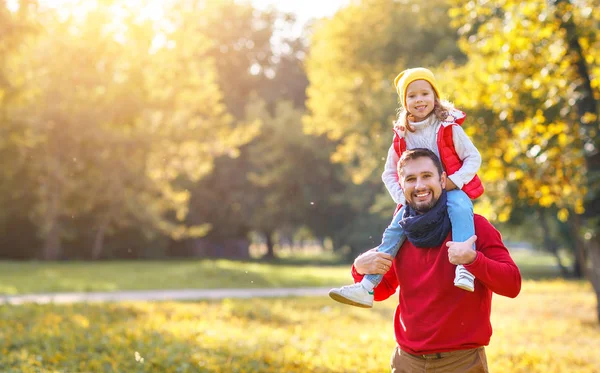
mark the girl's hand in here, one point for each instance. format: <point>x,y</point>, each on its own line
<point>400,130</point>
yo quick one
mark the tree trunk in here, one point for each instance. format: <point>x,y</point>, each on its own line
<point>52,243</point>
<point>594,273</point>
<point>550,243</point>
<point>586,105</point>
<point>52,240</point>
<point>576,247</point>
<point>578,268</point>
<point>580,252</point>
<point>99,237</point>
<point>270,245</point>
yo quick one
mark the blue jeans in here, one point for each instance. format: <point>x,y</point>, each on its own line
<point>460,210</point>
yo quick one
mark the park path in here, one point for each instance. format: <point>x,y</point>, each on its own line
<point>160,295</point>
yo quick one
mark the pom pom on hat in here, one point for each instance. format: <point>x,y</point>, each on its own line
<point>410,75</point>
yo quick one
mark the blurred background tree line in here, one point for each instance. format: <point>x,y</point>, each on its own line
<point>185,128</point>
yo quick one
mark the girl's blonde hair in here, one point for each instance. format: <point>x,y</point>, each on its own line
<point>441,109</point>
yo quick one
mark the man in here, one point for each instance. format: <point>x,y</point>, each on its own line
<point>438,327</point>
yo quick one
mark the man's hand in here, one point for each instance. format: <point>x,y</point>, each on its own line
<point>462,252</point>
<point>373,262</point>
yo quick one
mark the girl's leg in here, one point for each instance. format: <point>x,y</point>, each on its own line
<point>393,238</point>
<point>460,210</point>
<point>361,294</point>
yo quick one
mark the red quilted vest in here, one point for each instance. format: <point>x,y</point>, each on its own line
<point>449,158</point>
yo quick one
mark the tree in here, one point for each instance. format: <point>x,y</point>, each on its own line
<point>17,27</point>
<point>292,181</point>
<point>113,122</point>
<point>249,63</point>
<point>531,64</point>
<point>353,59</point>
<point>352,62</point>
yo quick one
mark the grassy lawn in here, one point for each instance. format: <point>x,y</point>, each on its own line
<point>40,277</point>
<point>34,277</point>
<point>549,328</point>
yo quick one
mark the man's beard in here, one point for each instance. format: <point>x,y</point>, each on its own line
<point>423,207</point>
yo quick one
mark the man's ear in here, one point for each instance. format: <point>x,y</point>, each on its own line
<point>443,179</point>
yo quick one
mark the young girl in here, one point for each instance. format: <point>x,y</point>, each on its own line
<point>424,121</point>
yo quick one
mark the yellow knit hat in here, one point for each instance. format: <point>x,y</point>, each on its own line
<point>410,75</point>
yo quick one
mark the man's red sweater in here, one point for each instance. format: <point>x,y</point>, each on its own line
<point>435,316</point>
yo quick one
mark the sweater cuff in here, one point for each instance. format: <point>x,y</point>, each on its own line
<point>477,262</point>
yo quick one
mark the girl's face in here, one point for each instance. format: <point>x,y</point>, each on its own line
<point>420,99</point>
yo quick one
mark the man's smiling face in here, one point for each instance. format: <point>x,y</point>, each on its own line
<point>422,183</point>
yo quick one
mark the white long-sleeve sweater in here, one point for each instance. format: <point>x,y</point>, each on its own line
<point>425,136</point>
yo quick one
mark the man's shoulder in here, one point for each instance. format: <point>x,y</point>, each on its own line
<point>481,223</point>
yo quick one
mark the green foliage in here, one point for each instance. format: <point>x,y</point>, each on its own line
<point>239,37</point>
<point>112,113</point>
<point>533,69</point>
<point>354,57</point>
<point>524,73</point>
<point>279,163</point>
<point>257,79</point>
<point>122,129</point>
<point>292,181</point>
<point>16,30</point>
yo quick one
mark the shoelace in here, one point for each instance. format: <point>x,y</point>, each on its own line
<point>463,273</point>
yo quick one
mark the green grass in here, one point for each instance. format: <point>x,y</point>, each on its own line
<point>537,265</point>
<point>41,277</point>
<point>549,328</point>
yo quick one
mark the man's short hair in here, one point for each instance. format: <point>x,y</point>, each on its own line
<point>412,154</point>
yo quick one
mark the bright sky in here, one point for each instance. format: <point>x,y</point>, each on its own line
<point>304,9</point>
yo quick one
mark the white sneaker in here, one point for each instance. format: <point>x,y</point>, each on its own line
<point>464,279</point>
<point>355,295</point>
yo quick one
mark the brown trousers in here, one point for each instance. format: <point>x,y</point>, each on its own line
<point>462,361</point>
